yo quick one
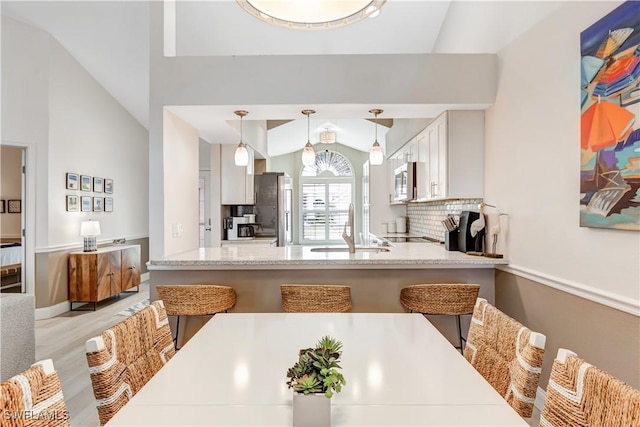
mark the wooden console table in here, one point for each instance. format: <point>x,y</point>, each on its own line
<point>98,275</point>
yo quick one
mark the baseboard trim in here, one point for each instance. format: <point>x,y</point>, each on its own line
<point>145,277</point>
<point>52,311</point>
<point>541,396</point>
<point>628,305</point>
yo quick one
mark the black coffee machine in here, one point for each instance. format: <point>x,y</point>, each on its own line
<point>466,242</point>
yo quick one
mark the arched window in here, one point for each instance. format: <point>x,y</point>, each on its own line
<point>327,190</point>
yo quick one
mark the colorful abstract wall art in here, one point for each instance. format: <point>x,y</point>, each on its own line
<point>610,120</point>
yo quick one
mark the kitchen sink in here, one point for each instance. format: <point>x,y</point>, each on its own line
<point>347,249</point>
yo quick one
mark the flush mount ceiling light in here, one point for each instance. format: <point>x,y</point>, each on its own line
<point>308,154</point>
<point>376,157</point>
<point>311,14</point>
<point>241,158</point>
<point>327,137</point>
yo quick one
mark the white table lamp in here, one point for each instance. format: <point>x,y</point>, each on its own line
<point>89,230</point>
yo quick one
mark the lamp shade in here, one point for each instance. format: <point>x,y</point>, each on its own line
<point>376,157</point>
<point>90,228</point>
<point>241,157</point>
<point>308,155</point>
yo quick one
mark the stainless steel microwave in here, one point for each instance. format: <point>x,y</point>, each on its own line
<point>404,182</point>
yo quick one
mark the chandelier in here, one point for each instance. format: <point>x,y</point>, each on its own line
<point>328,136</point>
<point>311,14</point>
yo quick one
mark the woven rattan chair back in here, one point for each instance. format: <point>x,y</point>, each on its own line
<point>123,359</point>
<point>315,298</point>
<point>33,398</point>
<point>507,354</point>
<point>579,394</point>
<point>454,299</point>
<point>195,300</point>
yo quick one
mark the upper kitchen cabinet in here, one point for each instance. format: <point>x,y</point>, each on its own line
<point>451,157</point>
<point>410,151</point>
<point>236,181</point>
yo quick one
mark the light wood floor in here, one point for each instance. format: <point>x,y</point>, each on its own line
<point>63,339</point>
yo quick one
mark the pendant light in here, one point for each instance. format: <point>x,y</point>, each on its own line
<point>241,157</point>
<point>308,154</point>
<point>376,157</point>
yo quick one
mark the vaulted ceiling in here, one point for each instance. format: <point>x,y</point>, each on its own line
<point>110,39</point>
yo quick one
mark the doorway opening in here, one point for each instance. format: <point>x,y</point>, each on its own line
<point>12,244</point>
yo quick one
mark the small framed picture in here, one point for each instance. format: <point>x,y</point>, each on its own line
<point>108,186</point>
<point>108,204</point>
<point>98,185</point>
<point>85,203</point>
<point>98,204</point>
<point>15,206</point>
<point>72,181</point>
<point>2,206</point>
<point>72,204</point>
<point>85,183</point>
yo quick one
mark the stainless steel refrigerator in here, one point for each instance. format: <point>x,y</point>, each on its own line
<point>273,206</point>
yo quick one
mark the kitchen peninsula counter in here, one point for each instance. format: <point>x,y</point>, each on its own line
<point>376,279</point>
<point>248,257</point>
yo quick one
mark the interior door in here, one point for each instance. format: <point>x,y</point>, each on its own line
<point>204,222</point>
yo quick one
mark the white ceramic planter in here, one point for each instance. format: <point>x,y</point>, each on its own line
<point>311,410</point>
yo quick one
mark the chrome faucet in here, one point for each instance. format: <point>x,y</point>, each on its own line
<point>349,238</point>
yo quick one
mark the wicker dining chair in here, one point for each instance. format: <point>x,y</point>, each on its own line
<point>453,299</point>
<point>578,393</point>
<point>33,398</point>
<point>507,354</point>
<point>125,357</point>
<point>315,298</point>
<point>195,300</point>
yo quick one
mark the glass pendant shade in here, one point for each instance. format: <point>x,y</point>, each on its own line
<point>241,157</point>
<point>308,155</point>
<point>375,155</point>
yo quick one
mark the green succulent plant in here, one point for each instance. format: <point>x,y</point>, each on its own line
<point>316,370</point>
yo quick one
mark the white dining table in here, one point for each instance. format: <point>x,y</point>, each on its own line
<point>400,371</point>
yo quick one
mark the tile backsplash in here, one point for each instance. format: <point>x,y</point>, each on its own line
<point>425,219</point>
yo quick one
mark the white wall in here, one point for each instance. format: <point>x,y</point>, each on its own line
<point>181,174</point>
<point>50,101</point>
<point>25,90</point>
<point>533,161</point>
<point>92,134</point>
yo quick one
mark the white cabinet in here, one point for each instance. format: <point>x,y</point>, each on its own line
<point>410,151</point>
<point>393,162</point>
<point>450,156</point>
<point>437,141</point>
<point>236,181</point>
<point>422,165</point>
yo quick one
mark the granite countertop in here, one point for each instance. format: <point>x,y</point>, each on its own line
<point>401,255</point>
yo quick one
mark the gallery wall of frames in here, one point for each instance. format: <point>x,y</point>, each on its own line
<point>92,193</point>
